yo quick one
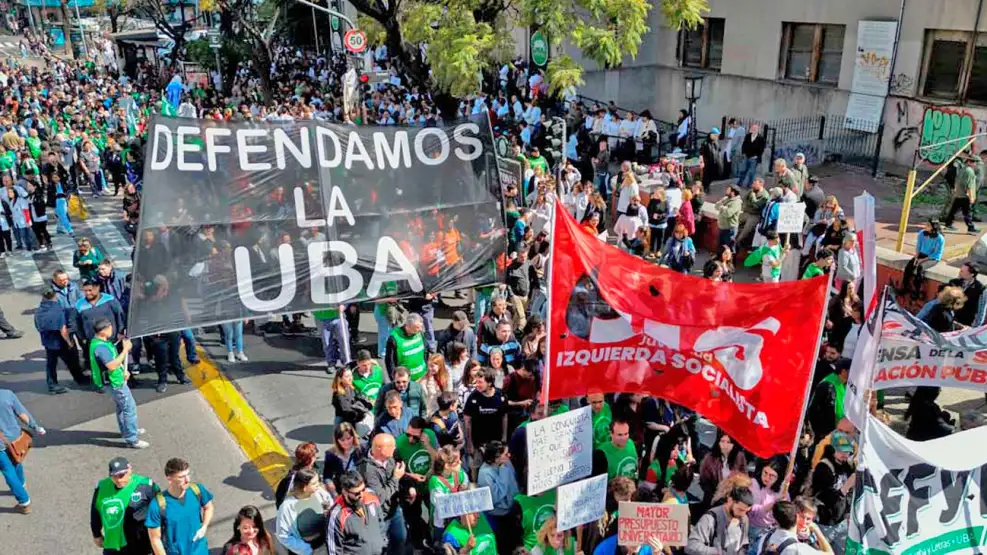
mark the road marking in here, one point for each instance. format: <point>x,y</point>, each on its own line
<point>65,247</point>
<point>23,271</point>
<point>115,246</point>
<point>248,429</point>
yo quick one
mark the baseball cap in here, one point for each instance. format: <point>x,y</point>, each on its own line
<point>842,442</point>
<point>460,316</point>
<point>119,465</point>
<point>714,131</point>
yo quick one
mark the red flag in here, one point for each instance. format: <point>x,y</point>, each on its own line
<point>739,354</point>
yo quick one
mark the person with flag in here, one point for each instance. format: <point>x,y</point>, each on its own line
<point>770,256</point>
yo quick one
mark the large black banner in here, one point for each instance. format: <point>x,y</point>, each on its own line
<point>240,220</point>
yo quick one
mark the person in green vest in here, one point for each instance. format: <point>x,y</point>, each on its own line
<point>368,377</point>
<point>383,311</point>
<point>538,161</point>
<point>105,359</point>
<point>406,346</point>
<point>471,534</point>
<point>335,338</point>
<point>601,418</point>
<point>33,143</point>
<point>826,405</point>
<point>822,264</point>
<point>447,477</point>
<point>620,451</point>
<point>535,510</point>
<point>770,256</point>
<point>119,506</point>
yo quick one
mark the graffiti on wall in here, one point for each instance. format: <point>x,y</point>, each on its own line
<point>901,83</point>
<point>811,149</point>
<point>941,124</point>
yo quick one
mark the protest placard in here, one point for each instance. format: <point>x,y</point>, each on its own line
<point>639,522</point>
<point>456,504</point>
<point>791,217</point>
<point>560,450</point>
<point>581,502</point>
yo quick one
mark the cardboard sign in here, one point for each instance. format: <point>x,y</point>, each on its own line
<point>791,217</point>
<point>639,522</point>
<point>560,450</point>
<point>581,502</point>
<point>457,504</point>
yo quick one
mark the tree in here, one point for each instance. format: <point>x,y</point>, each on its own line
<point>255,24</point>
<point>67,27</point>
<point>114,9</point>
<point>465,39</point>
<point>163,14</point>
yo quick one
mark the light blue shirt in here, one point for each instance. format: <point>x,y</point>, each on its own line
<point>10,407</point>
<point>931,246</point>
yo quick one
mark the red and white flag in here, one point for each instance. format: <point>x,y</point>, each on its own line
<point>739,354</point>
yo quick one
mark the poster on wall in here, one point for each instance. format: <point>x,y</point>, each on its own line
<point>871,74</point>
<point>919,497</point>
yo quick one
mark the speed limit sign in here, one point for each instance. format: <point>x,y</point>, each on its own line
<point>355,41</point>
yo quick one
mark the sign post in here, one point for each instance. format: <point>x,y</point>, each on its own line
<point>216,42</point>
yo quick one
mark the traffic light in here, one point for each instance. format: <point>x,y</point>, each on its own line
<point>364,78</point>
<point>555,140</point>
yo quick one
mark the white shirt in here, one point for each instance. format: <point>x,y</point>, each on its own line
<point>779,536</point>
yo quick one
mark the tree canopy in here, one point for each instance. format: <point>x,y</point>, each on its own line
<point>459,40</point>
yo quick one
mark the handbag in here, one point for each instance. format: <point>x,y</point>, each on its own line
<point>17,449</point>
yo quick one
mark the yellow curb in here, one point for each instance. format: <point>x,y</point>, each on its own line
<point>956,251</point>
<point>251,433</point>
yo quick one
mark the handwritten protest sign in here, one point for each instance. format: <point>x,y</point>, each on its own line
<point>791,217</point>
<point>456,504</point>
<point>639,522</point>
<point>581,502</point>
<point>560,450</point>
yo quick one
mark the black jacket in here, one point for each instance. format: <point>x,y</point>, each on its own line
<point>713,161</point>
<point>381,480</point>
<point>826,479</point>
<point>755,148</point>
<point>351,407</point>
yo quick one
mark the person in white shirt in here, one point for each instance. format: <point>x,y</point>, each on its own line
<point>645,135</point>
<point>627,126</point>
<point>611,128</point>
<point>784,540</point>
<point>735,136</point>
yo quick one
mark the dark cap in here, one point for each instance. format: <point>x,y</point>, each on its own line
<point>362,355</point>
<point>119,465</point>
<point>736,188</point>
<point>460,316</point>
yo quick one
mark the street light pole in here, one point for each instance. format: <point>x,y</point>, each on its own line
<point>82,34</point>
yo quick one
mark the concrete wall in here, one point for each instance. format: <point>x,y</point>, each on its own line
<point>909,123</point>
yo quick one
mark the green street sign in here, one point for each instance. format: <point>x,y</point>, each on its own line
<point>334,23</point>
<point>539,48</point>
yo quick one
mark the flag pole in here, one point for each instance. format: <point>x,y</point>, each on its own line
<point>808,389</point>
<point>546,373</point>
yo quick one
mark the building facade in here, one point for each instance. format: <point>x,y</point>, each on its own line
<point>771,60</point>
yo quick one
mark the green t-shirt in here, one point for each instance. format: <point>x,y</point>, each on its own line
<point>33,146</point>
<point>601,426</point>
<point>812,271</point>
<point>326,314</point>
<point>486,544</point>
<point>414,454</point>
<point>535,510</point>
<point>621,462</point>
<point>541,162</point>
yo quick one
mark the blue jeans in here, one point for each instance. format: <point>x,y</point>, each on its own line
<point>383,331</point>
<point>428,317</point>
<point>126,412</point>
<point>189,339</point>
<point>727,237</point>
<point>25,238</point>
<point>481,304</point>
<point>13,474</point>
<point>335,341</point>
<point>232,336</point>
<point>748,172</point>
<point>62,211</point>
<point>397,534</point>
<point>602,183</point>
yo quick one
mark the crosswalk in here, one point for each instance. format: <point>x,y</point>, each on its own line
<point>103,227</point>
<point>9,46</point>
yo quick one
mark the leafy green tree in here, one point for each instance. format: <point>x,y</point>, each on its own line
<point>114,10</point>
<point>462,40</point>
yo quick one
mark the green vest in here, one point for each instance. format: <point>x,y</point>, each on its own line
<point>534,512</point>
<point>410,352</point>
<point>812,271</point>
<point>369,386</point>
<point>33,146</point>
<point>414,454</point>
<point>601,426</point>
<point>115,375</point>
<point>112,505</point>
<point>485,542</point>
<point>327,314</point>
<point>840,389</point>
<point>620,462</point>
<point>568,548</point>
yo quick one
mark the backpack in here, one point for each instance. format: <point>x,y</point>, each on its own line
<point>163,504</point>
<point>807,486</point>
<point>774,549</point>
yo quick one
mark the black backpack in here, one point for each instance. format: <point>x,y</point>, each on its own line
<point>774,549</point>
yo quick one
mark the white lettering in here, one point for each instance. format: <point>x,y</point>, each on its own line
<point>352,145</point>
<point>300,211</point>
<point>244,149</point>
<point>161,131</point>
<point>245,280</point>
<point>283,142</point>
<point>459,135</point>
<point>388,157</point>
<point>182,132</point>
<point>321,272</point>
<point>338,207</point>
<point>337,150</point>
<point>212,148</point>
<point>443,143</point>
<point>388,248</point>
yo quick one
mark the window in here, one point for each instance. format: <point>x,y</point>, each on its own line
<point>812,52</point>
<point>702,47</point>
<point>953,67</point>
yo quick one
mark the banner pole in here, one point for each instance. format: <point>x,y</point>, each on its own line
<point>547,373</point>
<point>808,389</point>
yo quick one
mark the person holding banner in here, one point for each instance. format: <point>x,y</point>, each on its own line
<point>470,534</point>
<point>447,477</point>
<point>785,540</point>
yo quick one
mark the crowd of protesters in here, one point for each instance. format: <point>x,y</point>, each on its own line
<point>430,411</point>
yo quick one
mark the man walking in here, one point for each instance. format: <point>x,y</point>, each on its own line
<point>406,347</point>
<point>728,210</point>
<point>119,508</point>
<point>12,414</point>
<point>964,195</point>
<point>751,151</point>
<point>383,476</point>
<point>177,521</point>
<point>104,359</point>
<point>52,324</point>
<point>91,308</point>
<point>365,535</point>
<point>751,206</point>
<point>335,338</point>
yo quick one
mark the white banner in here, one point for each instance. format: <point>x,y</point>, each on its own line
<point>581,502</point>
<point>791,217</point>
<point>855,405</point>
<point>560,450</point>
<point>465,502</point>
<point>912,353</point>
<point>916,498</point>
